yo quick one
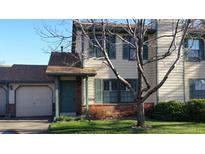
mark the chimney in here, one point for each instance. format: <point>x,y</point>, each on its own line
<point>61,48</point>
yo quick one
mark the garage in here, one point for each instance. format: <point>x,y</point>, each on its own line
<point>2,101</point>
<point>33,101</point>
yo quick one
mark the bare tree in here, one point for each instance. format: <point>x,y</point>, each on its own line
<point>136,29</point>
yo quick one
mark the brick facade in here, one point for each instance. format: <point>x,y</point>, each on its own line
<point>11,110</point>
<point>109,111</point>
<point>78,96</point>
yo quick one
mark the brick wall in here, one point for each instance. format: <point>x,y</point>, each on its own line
<point>78,95</point>
<point>11,109</point>
<point>109,111</point>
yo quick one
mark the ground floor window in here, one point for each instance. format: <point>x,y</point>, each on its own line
<point>113,91</point>
<point>197,88</point>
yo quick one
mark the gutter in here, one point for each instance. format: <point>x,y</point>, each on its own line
<point>183,75</point>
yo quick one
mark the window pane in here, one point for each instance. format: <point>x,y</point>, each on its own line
<point>193,44</point>
<point>106,85</point>
<point>194,48</point>
<point>110,96</point>
<point>197,89</point>
<point>122,86</point>
<point>126,96</point>
<point>193,54</point>
<point>114,85</point>
<point>200,85</point>
<point>132,54</point>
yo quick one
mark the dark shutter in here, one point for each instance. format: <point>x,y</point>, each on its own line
<point>145,49</point>
<point>186,47</point>
<point>145,52</point>
<point>126,49</point>
<point>201,48</point>
<point>192,89</point>
<point>185,43</point>
<point>112,48</point>
<point>91,51</point>
<point>98,91</point>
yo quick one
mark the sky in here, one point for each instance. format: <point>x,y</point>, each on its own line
<point>20,42</point>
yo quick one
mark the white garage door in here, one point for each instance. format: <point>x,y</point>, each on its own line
<point>33,101</point>
<point>2,101</point>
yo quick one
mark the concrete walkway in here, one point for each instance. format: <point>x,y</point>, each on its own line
<point>24,126</point>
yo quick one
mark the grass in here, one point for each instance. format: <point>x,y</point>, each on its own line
<point>124,127</point>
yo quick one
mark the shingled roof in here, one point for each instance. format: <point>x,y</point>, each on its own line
<point>4,70</point>
<point>68,64</point>
<point>64,59</point>
<point>24,73</point>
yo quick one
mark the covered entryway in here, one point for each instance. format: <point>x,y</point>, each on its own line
<point>2,101</point>
<point>68,67</point>
<point>67,97</point>
<point>33,101</point>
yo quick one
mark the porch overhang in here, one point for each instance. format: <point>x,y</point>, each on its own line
<point>70,71</point>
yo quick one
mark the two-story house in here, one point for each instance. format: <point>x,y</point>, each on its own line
<point>81,80</point>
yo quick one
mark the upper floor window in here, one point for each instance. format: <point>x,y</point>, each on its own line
<point>194,52</point>
<point>110,47</point>
<point>130,53</point>
<point>195,49</point>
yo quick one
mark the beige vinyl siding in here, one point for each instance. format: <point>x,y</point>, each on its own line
<point>150,69</point>
<point>173,87</point>
<point>126,68</point>
<point>193,70</point>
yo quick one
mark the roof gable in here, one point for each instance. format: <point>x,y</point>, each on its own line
<point>64,59</point>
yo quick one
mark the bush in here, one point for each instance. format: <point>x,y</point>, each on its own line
<point>69,118</point>
<point>170,111</point>
<point>196,110</point>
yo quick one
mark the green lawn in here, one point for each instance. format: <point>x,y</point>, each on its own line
<point>124,127</point>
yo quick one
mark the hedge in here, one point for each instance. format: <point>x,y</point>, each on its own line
<point>193,110</point>
<point>196,110</point>
<point>170,111</point>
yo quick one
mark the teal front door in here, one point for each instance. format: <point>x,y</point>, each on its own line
<point>67,97</point>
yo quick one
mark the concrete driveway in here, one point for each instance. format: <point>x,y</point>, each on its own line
<point>24,126</point>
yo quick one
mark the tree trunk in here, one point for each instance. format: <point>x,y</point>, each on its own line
<point>140,115</point>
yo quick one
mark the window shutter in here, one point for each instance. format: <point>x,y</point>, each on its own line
<point>98,91</point>
<point>126,49</point>
<point>91,51</point>
<point>192,89</point>
<point>201,48</point>
<point>112,47</point>
<point>136,84</point>
<point>186,46</point>
<point>185,43</point>
<point>145,52</point>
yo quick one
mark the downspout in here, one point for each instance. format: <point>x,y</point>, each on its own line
<point>7,100</point>
<point>86,90</point>
<point>157,93</point>
<point>184,78</point>
<point>85,80</point>
<point>57,97</point>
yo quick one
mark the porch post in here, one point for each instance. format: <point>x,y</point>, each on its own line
<point>86,93</point>
<point>57,97</point>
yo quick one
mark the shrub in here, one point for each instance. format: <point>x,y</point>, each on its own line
<point>196,110</point>
<point>64,118</point>
<point>170,111</point>
<point>70,118</point>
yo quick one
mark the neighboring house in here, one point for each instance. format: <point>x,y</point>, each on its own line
<point>73,82</point>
